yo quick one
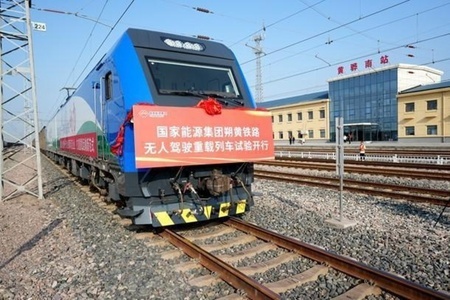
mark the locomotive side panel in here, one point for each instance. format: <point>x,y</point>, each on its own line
<point>207,170</point>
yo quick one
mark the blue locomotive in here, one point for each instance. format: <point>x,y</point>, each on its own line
<point>166,128</point>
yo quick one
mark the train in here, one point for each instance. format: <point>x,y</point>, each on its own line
<point>165,127</point>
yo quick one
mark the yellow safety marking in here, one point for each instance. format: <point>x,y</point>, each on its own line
<point>224,209</point>
<point>164,218</point>
<point>188,216</point>
<point>240,208</point>
<point>207,211</point>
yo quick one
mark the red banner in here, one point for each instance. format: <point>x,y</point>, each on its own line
<point>179,136</point>
<point>84,144</point>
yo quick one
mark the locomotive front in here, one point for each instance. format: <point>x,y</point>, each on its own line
<point>196,139</point>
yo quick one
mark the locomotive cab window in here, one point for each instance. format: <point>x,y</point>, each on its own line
<point>108,85</point>
<point>177,78</point>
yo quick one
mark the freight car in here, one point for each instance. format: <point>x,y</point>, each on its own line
<point>165,127</point>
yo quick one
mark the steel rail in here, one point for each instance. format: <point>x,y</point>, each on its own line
<point>229,274</point>
<point>386,281</point>
<point>367,162</point>
<point>386,171</point>
<point>403,192</point>
<point>375,150</point>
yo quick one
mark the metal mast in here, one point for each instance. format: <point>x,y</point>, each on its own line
<point>258,50</point>
<point>18,104</point>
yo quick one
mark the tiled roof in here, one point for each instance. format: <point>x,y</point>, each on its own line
<point>296,99</point>
<point>434,86</point>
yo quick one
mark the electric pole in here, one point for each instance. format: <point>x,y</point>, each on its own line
<point>258,50</point>
<point>18,103</point>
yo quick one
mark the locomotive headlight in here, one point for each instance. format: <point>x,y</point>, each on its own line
<point>169,42</point>
<point>184,45</point>
<point>197,47</point>
<point>188,46</point>
<point>177,44</point>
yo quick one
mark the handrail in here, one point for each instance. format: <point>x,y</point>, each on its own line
<point>395,158</point>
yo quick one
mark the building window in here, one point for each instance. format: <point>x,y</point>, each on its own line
<point>432,105</point>
<point>322,133</point>
<point>299,116</point>
<point>310,134</point>
<point>409,130</point>
<point>310,115</point>
<point>289,117</point>
<point>322,113</point>
<point>280,135</point>
<point>272,119</point>
<point>432,130</point>
<point>280,118</point>
<point>409,107</point>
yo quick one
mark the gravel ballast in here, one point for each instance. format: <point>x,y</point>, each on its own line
<point>67,247</point>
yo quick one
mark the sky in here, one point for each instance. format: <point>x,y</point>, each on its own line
<point>304,42</point>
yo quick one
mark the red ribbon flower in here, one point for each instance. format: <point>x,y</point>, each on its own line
<point>211,106</point>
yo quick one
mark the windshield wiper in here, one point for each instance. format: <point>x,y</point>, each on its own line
<point>225,100</point>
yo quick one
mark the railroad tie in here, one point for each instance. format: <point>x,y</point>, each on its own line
<point>359,292</point>
<point>239,240</point>
<point>176,253</point>
<point>186,266</point>
<point>311,274</point>
<point>206,280</point>
<point>233,297</point>
<point>208,235</point>
<point>232,258</point>
<point>267,265</point>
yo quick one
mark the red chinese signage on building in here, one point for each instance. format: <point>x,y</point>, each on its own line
<point>83,144</point>
<point>367,64</point>
<point>174,136</point>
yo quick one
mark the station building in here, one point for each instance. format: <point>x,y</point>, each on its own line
<point>305,116</point>
<point>424,113</point>
<point>372,104</point>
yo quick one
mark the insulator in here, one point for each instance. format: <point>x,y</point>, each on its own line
<point>204,10</point>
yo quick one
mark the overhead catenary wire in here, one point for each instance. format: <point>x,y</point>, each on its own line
<point>276,22</point>
<point>56,107</point>
<point>76,14</point>
<point>362,56</point>
<point>104,40</point>
<point>330,30</point>
<point>356,33</point>
<point>86,43</point>
<point>213,12</point>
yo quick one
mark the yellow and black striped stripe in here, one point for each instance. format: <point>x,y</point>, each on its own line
<point>164,218</point>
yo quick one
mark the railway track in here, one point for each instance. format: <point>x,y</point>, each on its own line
<point>367,280</point>
<point>356,162</point>
<point>373,169</point>
<point>432,196</point>
<point>386,150</point>
<point>370,281</point>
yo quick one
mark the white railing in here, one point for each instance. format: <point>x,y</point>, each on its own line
<point>431,160</point>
